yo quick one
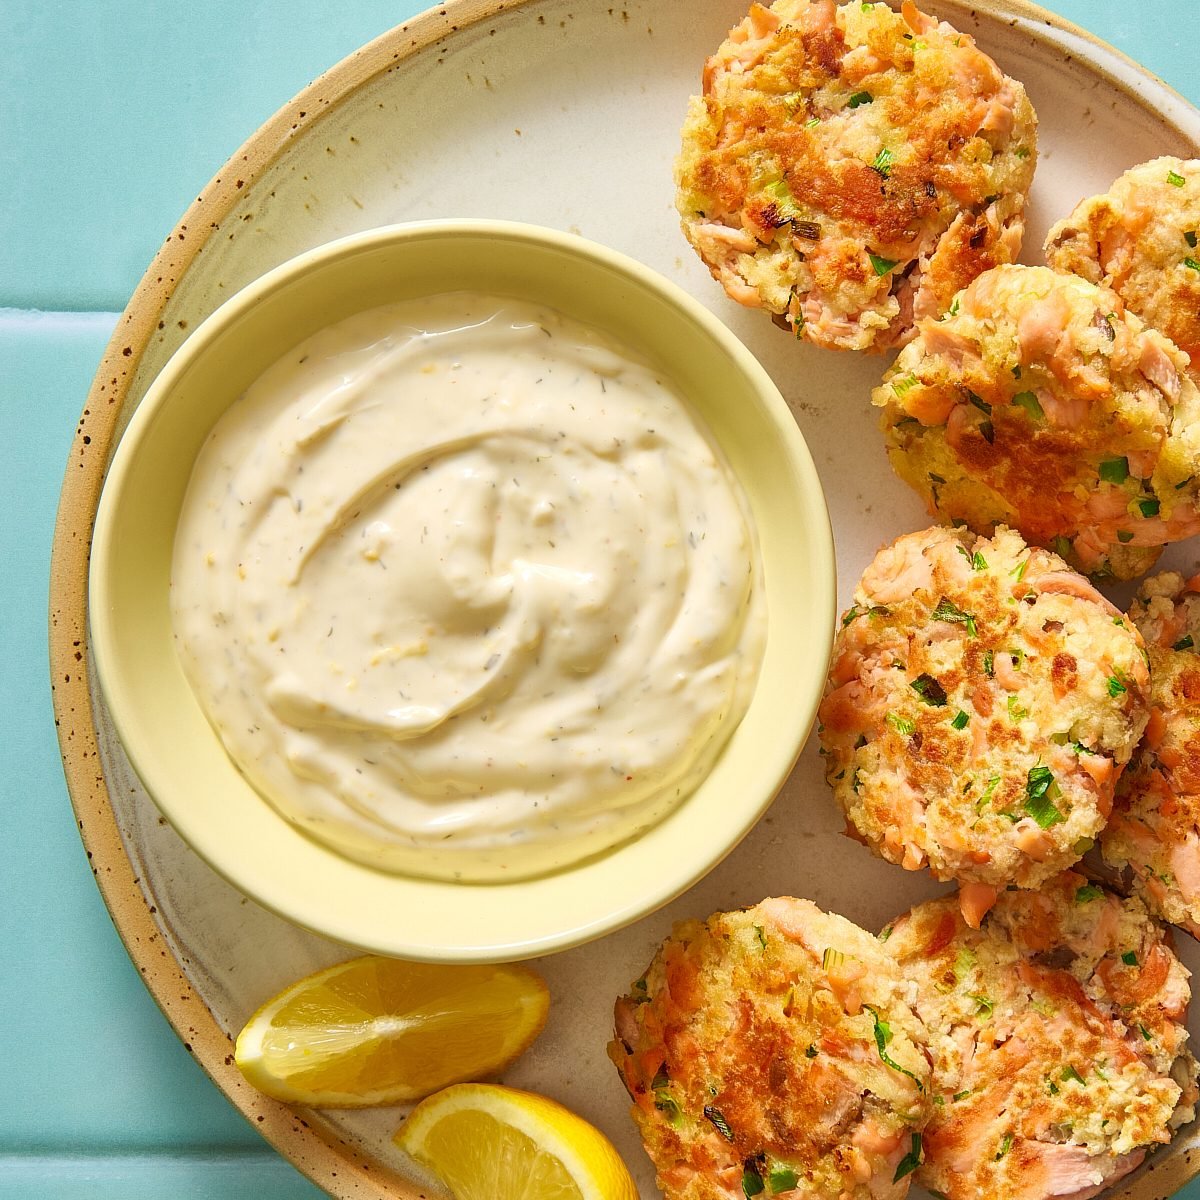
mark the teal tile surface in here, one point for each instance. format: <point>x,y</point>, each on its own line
<point>116,113</point>
<point>90,1064</point>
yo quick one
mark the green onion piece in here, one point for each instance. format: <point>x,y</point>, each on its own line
<point>1184,643</point>
<point>1052,1087</point>
<point>1149,508</point>
<point>907,382</point>
<point>1115,686</point>
<point>831,958</point>
<point>1175,179</point>
<point>782,1179</point>
<point>860,98</point>
<point>902,725</point>
<point>883,1035</point>
<point>954,307</point>
<point>752,1184</point>
<point>1022,152</point>
<point>989,663</point>
<point>1062,546</point>
<point>1129,958</point>
<point>782,198</point>
<point>812,1051</point>
<point>1016,711</point>
<point>1087,893</point>
<point>1018,572</point>
<point>851,613</point>
<point>667,1106</point>
<point>1192,264</point>
<point>985,1006</point>
<point>883,164</point>
<point>812,122</point>
<point>961,1095</point>
<point>885,934</point>
<point>661,1079</point>
<point>1069,1073</point>
<point>881,265</point>
<point>1145,1033</point>
<point>946,611</point>
<point>1114,470</point>
<point>910,1162</point>
<point>762,937</point>
<point>993,784</point>
<point>960,720</point>
<point>1005,1146</point>
<point>979,402</point>
<point>1029,402</point>
<point>929,690</point>
<point>1124,536</point>
<point>1040,790</point>
<point>1190,237</point>
<point>721,1125</point>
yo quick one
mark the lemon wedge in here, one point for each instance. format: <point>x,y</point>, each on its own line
<point>487,1142</point>
<point>380,1031</point>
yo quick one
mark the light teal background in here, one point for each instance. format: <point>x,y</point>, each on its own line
<point>113,115</point>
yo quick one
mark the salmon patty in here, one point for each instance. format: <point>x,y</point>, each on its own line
<point>1154,834</point>
<point>1059,1040</point>
<point>1140,239</point>
<point>775,1050</point>
<point>981,702</point>
<point>1040,403</point>
<point>850,168</point>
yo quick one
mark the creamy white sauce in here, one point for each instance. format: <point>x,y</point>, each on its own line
<point>467,591</point>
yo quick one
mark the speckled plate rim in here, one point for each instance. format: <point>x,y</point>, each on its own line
<point>330,1161</point>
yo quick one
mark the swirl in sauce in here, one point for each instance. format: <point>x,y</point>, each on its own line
<point>466,590</point>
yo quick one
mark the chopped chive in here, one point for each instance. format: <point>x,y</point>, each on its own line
<point>1114,470</point>
<point>752,1184</point>
<point>993,784</point>
<point>1016,711</point>
<point>883,1035</point>
<point>1145,1033</point>
<point>989,663</point>
<point>881,265</point>
<point>850,614</point>
<point>831,958</point>
<point>1129,958</point>
<point>1005,1146</point>
<point>1062,546</point>
<point>1116,687</point>
<point>1184,643</point>
<point>885,934</point>
<point>1192,264</point>
<point>883,164</point>
<point>946,611</point>
<point>1040,793</point>
<point>1175,179</point>
<point>782,1179</point>
<point>783,200</point>
<point>929,690</point>
<point>1069,1073</point>
<point>1029,402</point>
<point>1018,572</point>
<point>1149,508</point>
<point>960,720</point>
<point>902,725</point>
<point>979,402</point>
<point>1022,151</point>
<point>961,1095</point>
<point>811,1052</point>
<point>762,937</point>
<point>661,1079</point>
<point>812,122</point>
<point>911,1161</point>
<point>719,1122</point>
<point>904,384</point>
<point>985,1006</point>
<point>1088,893</point>
<point>860,98</point>
<point>1124,536</point>
<point>954,307</point>
<point>667,1106</point>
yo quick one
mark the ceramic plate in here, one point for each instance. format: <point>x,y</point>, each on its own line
<point>564,113</point>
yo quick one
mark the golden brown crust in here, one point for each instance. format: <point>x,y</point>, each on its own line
<point>778,1041</point>
<point>1154,833</point>
<point>1059,1040</point>
<point>847,168</point>
<point>980,702</point>
<point>1142,239</point>
<point>1041,403</point>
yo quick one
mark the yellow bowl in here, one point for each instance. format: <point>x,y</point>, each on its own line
<point>179,757</point>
